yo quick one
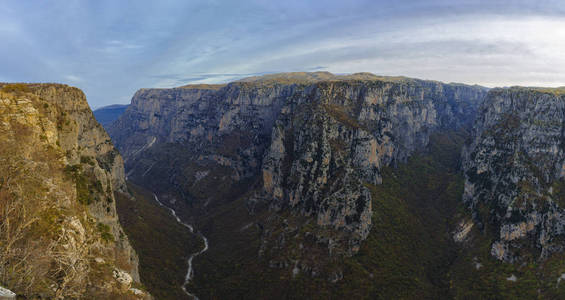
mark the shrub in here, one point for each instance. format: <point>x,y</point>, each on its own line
<point>71,171</point>
<point>16,88</point>
<point>83,192</point>
<point>105,232</point>
<point>86,160</point>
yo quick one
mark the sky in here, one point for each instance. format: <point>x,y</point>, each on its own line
<point>111,48</point>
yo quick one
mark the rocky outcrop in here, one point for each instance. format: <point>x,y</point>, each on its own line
<point>60,172</point>
<point>6,294</point>
<point>313,139</point>
<point>339,135</point>
<point>514,169</point>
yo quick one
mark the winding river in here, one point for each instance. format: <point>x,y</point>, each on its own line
<point>190,271</point>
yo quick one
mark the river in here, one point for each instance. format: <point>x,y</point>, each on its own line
<point>190,272</point>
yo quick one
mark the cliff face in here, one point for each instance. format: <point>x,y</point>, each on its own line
<point>314,142</point>
<point>514,169</point>
<point>312,168</point>
<point>334,139</point>
<point>59,174</point>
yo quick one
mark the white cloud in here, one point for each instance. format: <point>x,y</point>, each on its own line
<point>111,48</point>
<point>73,78</point>
<point>489,50</point>
<point>117,47</point>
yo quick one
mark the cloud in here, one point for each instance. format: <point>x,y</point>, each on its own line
<point>115,46</point>
<point>73,78</point>
<point>492,51</point>
<point>112,48</point>
<point>174,80</point>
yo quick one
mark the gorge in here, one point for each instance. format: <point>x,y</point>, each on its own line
<point>261,149</point>
<point>293,185</point>
<point>288,169</point>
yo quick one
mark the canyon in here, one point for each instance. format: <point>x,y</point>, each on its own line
<point>292,185</point>
<point>326,183</point>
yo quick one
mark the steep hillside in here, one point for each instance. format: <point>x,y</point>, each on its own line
<point>514,167</point>
<point>408,252</point>
<point>279,168</point>
<point>163,245</point>
<point>59,174</point>
<point>514,172</point>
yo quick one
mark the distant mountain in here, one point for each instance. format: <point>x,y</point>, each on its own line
<point>108,114</point>
<point>313,77</point>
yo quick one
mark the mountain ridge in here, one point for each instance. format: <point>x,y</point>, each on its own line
<point>287,154</point>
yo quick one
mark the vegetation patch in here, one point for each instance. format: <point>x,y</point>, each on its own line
<point>558,188</point>
<point>15,88</point>
<point>88,188</point>
<point>340,114</point>
<point>163,256</point>
<point>105,233</point>
<point>406,256</point>
<point>87,160</point>
<point>106,161</point>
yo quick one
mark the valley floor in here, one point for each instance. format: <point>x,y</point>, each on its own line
<point>409,254</point>
<point>162,244</point>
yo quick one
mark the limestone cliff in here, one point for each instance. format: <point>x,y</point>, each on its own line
<point>313,139</point>
<point>58,175</point>
<point>335,138</point>
<point>514,169</point>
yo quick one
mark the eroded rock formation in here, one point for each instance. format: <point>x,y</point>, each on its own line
<point>514,169</point>
<point>314,140</point>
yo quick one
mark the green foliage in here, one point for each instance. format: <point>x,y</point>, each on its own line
<point>341,115</point>
<point>490,281</point>
<point>106,161</point>
<point>234,143</point>
<point>545,123</point>
<point>83,190</point>
<point>98,186</point>
<point>48,224</point>
<point>559,192</point>
<point>105,233</point>
<point>559,91</point>
<point>16,88</point>
<point>409,250</point>
<point>406,256</point>
<point>75,173</point>
<point>409,253</point>
<point>162,256</point>
<point>87,160</point>
<point>87,186</point>
<point>203,86</point>
<point>313,77</point>
<point>72,171</point>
